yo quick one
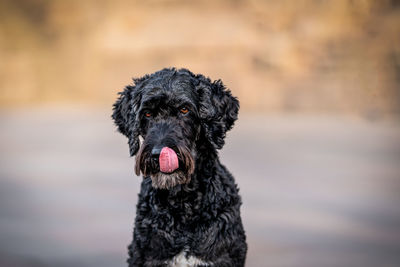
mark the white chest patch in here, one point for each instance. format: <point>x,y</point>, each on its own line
<point>183,260</point>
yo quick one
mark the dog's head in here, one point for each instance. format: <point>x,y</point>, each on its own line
<point>175,112</point>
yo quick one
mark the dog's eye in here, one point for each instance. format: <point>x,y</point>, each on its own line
<point>184,110</point>
<point>147,114</point>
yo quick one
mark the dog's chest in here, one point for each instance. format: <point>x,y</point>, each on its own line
<point>184,260</point>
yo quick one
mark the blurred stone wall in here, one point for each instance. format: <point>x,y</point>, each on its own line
<point>298,56</point>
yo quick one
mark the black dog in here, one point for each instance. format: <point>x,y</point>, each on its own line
<point>188,212</point>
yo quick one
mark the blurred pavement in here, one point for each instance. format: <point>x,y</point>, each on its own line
<point>318,191</point>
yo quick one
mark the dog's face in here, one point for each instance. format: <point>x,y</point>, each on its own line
<point>174,112</point>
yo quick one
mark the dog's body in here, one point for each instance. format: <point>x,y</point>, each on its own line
<point>188,213</point>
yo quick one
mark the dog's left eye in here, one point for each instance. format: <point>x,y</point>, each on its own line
<point>184,110</point>
<point>147,114</point>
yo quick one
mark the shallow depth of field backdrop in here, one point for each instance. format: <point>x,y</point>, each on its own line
<point>316,149</point>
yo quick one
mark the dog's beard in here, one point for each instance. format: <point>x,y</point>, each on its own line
<point>161,180</point>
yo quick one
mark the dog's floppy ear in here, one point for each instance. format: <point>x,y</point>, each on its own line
<point>218,110</point>
<point>125,116</point>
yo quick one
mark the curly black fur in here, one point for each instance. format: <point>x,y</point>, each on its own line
<point>192,214</point>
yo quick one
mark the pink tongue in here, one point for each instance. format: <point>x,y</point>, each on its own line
<point>168,160</point>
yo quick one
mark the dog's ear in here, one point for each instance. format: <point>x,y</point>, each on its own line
<point>218,110</point>
<point>125,116</point>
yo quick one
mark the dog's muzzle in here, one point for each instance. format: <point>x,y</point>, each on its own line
<point>167,159</point>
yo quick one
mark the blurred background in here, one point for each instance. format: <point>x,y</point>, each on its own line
<point>316,149</point>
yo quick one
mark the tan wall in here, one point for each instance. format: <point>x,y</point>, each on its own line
<point>322,56</point>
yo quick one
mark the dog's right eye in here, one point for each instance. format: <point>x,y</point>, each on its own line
<point>147,114</point>
<point>184,110</point>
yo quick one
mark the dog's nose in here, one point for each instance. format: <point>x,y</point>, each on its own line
<point>155,155</point>
<point>155,152</point>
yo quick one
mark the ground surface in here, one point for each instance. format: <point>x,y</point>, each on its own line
<point>317,191</point>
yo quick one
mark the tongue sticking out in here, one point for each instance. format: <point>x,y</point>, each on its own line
<point>168,160</point>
